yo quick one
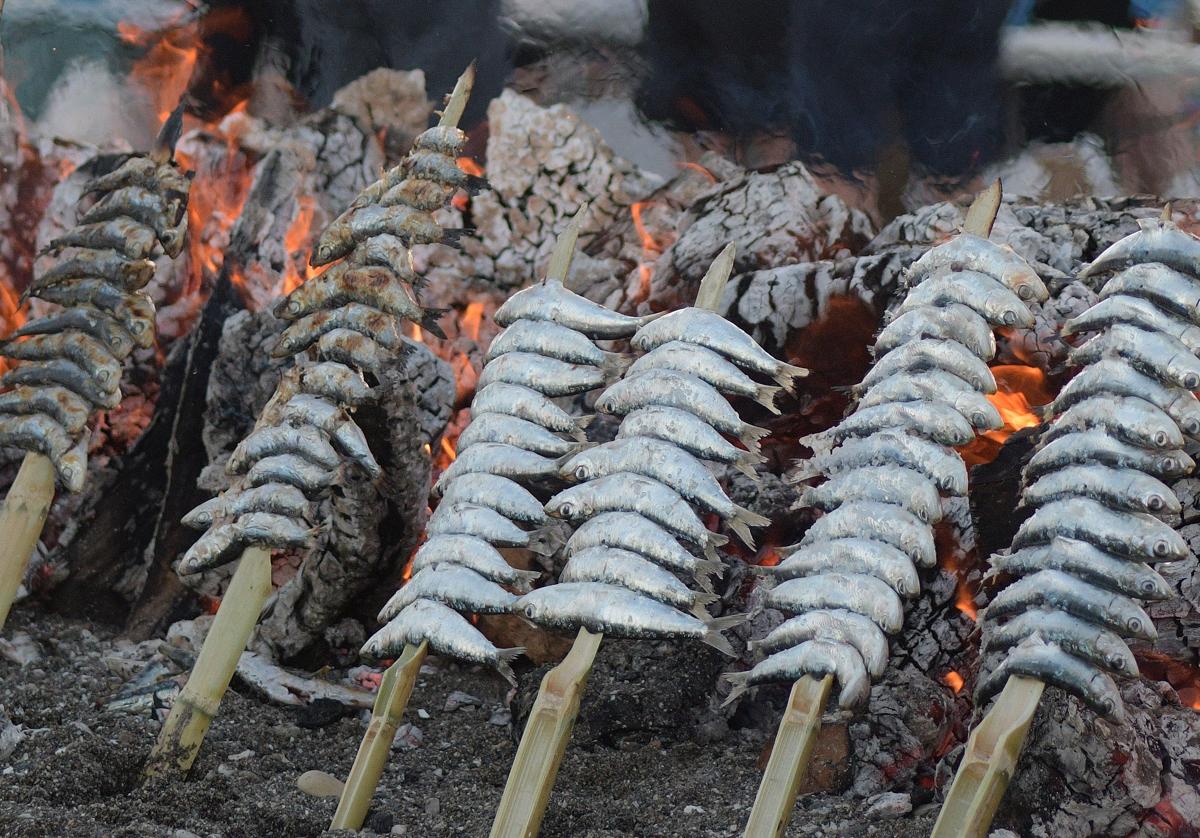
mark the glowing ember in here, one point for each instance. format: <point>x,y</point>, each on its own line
<point>1019,389</point>
<point>768,556</point>
<point>696,167</point>
<point>448,449</point>
<point>954,681</point>
<point>470,166</point>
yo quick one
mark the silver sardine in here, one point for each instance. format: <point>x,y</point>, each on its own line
<point>1133,419</point>
<point>473,553</point>
<point>940,464</point>
<point>1120,488</point>
<point>710,367</point>
<point>509,498</point>
<point>933,420</point>
<point>1165,287</point>
<point>967,252</point>
<point>277,498</point>
<point>524,403</point>
<point>632,532</point>
<point>838,625</point>
<point>498,458</point>
<point>541,337</point>
<point>689,432</point>
<point>65,407</point>
<point>1135,311</point>
<point>884,522</point>
<point>709,329</point>
<point>304,441</point>
<point>852,555</point>
<point>546,375</point>
<point>1049,663</point>
<point>1133,534</point>
<point>953,321</point>
<point>937,385</point>
<point>1087,562</point>
<point>498,427</point>
<point>980,293</point>
<point>1078,637</point>
<point>858,592</point>
<point>1098,447</point>
<point>614,566</point>
<point>1153,353</point>
<point>886,484</point>
<point>1156,240</point>
<point>929,354</point>
<point>293,470</point>
<point>1112,375</point>
<point>550,300</point>
<point>481,521</point>
<point>455,585</point>
<point>811,657</point>
<point>1064,592</point>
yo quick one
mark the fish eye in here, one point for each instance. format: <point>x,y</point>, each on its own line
<point>1191,381</point>
<point>530,611</point>
<point>1161,548</point>
<point>582,472</point>
<point>1160,439</point>
<point>1155,502</point>
<point>1025,292</point>
<point>1009,318</point>
<point>566,509</point>
<point>1134,624</point>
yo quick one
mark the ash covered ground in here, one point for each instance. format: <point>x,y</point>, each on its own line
<point>70,766</point>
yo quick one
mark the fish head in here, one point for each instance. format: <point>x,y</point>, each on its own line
<point>579,468</point>
<point>531,607</point>
<point>1116,654</point>
<point>605,404</point>
<point>1166,548</point>
<point>1153,501</point>
<point>569,506</point>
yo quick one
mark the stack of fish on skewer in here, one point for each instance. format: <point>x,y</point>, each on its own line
<point>640,497</point>
<point>518,437</point>
<point>74,357</point>
<point>1118,428</point>
<point>351,314</point>
<point>886,466</point>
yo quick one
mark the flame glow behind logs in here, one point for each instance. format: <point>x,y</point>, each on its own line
<point>165,68</point>
<point>297,242</point>
<point>651,248</point>
<point>954,681</point>
<point>1019,389</point>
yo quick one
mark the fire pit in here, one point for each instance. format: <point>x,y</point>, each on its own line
<point>104,630</point>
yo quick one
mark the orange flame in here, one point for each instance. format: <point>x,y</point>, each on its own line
<point>696,167</point>
<point>297,242</point>
<point>165,69</point>
<point>472,319</point>
<point>1019,389</point>
<point>954,681</point>
<point>470,166</point>
<point>651,248</point>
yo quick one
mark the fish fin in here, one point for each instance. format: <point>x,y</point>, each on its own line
<point>545,541</point>
<point>576,447</point>
<point>821,442</point>
<point>745,464</point>
<point>578,435</point>
<point>750,436</point>
<point>525,580</point>
<point>451,236</point>
<point>767,395</point>
<point>502,665</point>
<point>741,683</point>
<point>429,321</point>
<point>475,183</point>
<point>614,365</point>
<point>716,625</point>
<point>707,568</point>
<point>701,598</point>
<point>787,373</point>
<point>741,522</point>
<point>803,470</point>
<point>583,421</point>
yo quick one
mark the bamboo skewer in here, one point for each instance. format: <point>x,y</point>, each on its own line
<point>372,756</point>
<point>797,733</point>
<point>186,726</point>
<point>787,766</point>
<point>22,516</point>
<point>989,762</point>
<point>531,778</point>
<point>198,702</point>
<point>535,767</point>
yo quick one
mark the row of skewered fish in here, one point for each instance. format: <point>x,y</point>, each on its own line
<point>640,498</point>
<point>72,360</point>
<point>351,314</point>
<point>517,439</point>
<point>1081,561</point>
<point>886,466</point>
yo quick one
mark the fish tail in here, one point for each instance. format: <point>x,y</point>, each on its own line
<point>502,662</point>
<point>767,395</point>
<point>713,638</point>
<point>821,442</point>
<point>545,541</point>
<point>801,471</point>
<point>615,364</point>
<point>475,183</point>
<point>741,683</point>
<point>582,422</point>
<point>575,448</point>
<point>429,321</point>
<point>743,519</point>
<point>707,568</point>
<point>750,436</point>
<point>578,435</point>
<point>785,374</point>
<point>746,465</point>
<point>701,598</point>
<point>451,236</point>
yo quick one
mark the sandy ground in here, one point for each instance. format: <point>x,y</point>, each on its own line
<point>76,770</point>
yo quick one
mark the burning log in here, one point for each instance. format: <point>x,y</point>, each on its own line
<point>351,313</point>
<point>1094,484</point>
<point>74,358</point>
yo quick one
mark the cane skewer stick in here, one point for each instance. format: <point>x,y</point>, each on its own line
<point>796,736</point>
<point>22,517</point>
<point>989,762</point>
<point>531,778</point>
<point>196,705</point>
<point>372,756</point>
<point>183,733</point>
<point>992,752</point>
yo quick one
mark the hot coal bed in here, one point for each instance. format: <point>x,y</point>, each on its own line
<point>98,647</point>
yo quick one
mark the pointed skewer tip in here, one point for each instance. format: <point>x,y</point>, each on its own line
<point>564,249</point>
<point>456,103</point>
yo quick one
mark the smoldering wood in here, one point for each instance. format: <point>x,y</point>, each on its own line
<point>370,528</point>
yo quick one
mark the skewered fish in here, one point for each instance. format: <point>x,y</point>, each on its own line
<point>1080,560</point>
<point>810,657</point>
<point>551,301</point>
<point>967,252</point>
<point>710,367</point>
<point>474,553</point>
<point>954,321</point>
<point>984,295</point>
<point>446,631</point>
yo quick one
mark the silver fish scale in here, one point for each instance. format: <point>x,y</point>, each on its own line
<point>72,359</point>
<point>640,494</point>
<point>351,323</point>
<point>886,465</point>
<point>1081,561</point>
<point>516,436</point>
